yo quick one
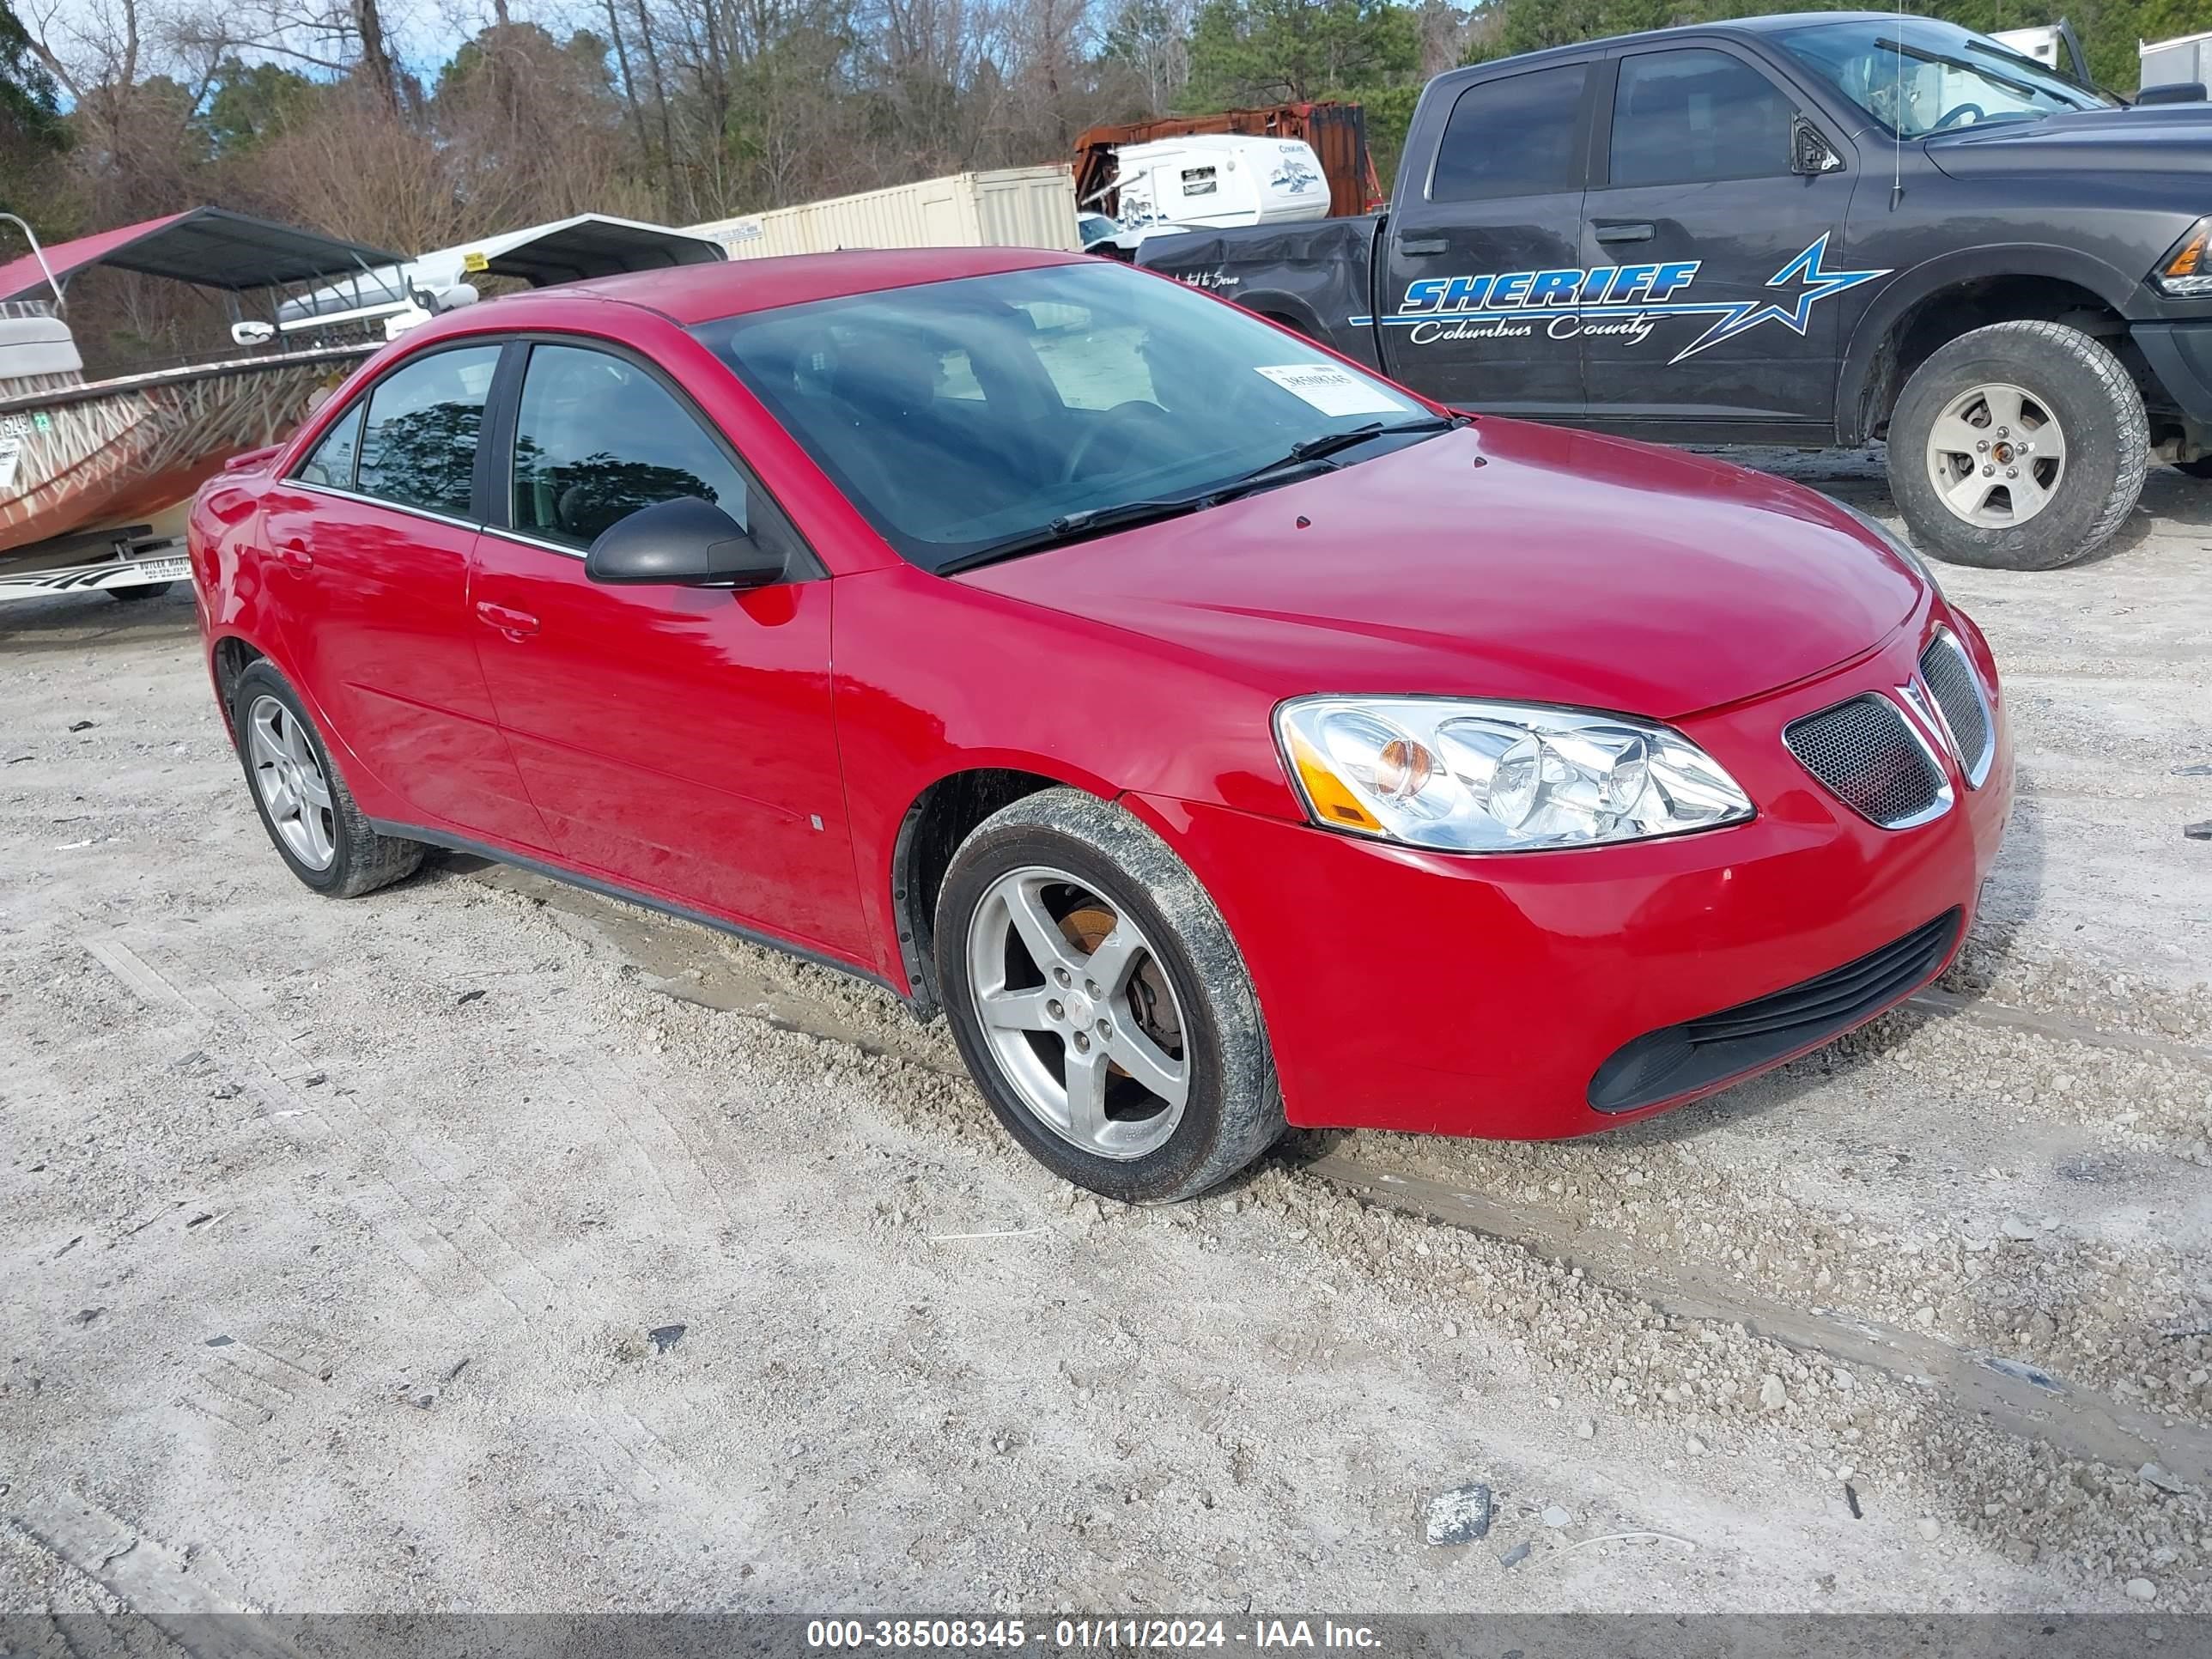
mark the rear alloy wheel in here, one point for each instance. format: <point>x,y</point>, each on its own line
<point>2018,446</point>
<point>304,802</point>
<point>1100,1003</point>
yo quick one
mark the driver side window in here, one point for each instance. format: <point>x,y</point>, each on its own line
<point>1696,116</point>
<point>597,438</point>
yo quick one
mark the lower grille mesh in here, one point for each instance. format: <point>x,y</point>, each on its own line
<point>1951,681</point>
<point>1678,1059</point>
<point>1865,753</point>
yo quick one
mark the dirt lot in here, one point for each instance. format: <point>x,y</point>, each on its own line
<point>484,1245</point>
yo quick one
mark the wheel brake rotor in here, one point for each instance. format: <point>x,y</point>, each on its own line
<point>1086,927</point>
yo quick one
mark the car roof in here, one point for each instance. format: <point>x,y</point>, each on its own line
<point>698,293</point>
<point>1725,25</point>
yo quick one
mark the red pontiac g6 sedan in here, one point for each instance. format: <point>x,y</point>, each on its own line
<point>1220,735</point>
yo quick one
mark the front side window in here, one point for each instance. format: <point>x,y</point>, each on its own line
<point>597,438</point>
<point>958,415</point>
<point>1915,75</point>
<point>418,446</point>
<point>1511,138</point>
<point>1695,116</point>
<point>330,463</point>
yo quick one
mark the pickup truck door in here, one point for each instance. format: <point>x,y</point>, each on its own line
<point>1466,247</point>
<point>1714,268</point>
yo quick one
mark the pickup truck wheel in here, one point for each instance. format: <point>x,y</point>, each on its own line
<point>2018,446</point>
<point>1100,1003</point>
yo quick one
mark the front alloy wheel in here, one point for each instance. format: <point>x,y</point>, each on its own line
<point>1100,1002</point>
<point>1078,1014</point>
<point>2018,446</point>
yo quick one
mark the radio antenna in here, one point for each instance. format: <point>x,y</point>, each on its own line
<point>1897,117</point>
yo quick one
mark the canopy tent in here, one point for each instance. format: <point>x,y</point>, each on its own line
<point>207,246</point>
<point>563,250</point>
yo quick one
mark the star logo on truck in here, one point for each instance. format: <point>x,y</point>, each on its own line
<point>1817,282</point>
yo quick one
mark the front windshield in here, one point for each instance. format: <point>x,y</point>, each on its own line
<point>1915,75</point>
<point>962,414</point>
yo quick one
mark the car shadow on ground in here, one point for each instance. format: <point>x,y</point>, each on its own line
<point>71,620</point>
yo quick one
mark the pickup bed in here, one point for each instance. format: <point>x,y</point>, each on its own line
<point>1815,229</point>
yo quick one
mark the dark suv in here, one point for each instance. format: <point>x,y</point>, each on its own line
<point>1813,229</point>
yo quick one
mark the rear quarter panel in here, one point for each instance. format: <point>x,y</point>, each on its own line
<point>1316,276</point>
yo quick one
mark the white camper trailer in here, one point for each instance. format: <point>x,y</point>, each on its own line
<point>1220,179</point>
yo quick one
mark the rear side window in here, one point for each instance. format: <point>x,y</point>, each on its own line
<point>1695,116</point>
<point>330,463</point>
<point>1512,137</point>
<point>419,447</point>
<point>597,437</point>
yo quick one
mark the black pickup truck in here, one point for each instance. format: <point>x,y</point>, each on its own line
<point>1814,229</point>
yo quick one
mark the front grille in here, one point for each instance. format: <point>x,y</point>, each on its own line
<point>1680,1059</point>
<point>1958,692</point>
<point>1869,757</point>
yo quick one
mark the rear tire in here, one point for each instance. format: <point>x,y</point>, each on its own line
<point>310,815</point>
<point>1101,895</point>
<point>2018,446</point>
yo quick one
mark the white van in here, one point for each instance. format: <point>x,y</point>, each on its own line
<point>1220,179</point>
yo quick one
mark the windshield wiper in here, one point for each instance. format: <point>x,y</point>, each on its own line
<point>1307,451</point>
<point>1126,516</point>
<point>1074,526</point>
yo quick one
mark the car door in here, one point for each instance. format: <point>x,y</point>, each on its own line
<point>368,541</point>
<point>678,739</point>
<point>1714,265</point>
<point>1478,258</point>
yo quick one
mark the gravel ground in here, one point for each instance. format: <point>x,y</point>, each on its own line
<point>448,1250</point>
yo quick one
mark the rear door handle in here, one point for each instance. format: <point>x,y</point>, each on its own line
<point>515,625</point>
<point>1420,245</point>
<point>1625,233</point>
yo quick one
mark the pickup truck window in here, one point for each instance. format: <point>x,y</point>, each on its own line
<point>1515,136</point>
<point>1695,116</point>
<point>1915,75</point>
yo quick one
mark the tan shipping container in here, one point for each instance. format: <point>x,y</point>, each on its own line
<point>1006,207</point>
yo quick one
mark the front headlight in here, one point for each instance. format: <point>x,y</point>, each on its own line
<point>1499,777</point>
<point>1891,540</point>
<point>2185,273</point>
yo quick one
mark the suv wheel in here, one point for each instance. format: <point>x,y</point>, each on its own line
<point>2018,446</point>
<point>1101,1004</point>
<point>304,802</point>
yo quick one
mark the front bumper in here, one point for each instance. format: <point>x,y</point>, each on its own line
<point>2180,356</point>
<point>1447,994</point>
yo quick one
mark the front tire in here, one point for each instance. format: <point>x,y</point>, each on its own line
<point>2018,446</point>
<point>305,805</point>
<point>1101,1004</point>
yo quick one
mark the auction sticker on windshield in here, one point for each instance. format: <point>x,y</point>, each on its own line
<point>1335,391</point>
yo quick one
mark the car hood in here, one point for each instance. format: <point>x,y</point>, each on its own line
<point>2164,138</point>
<point>1505,559</point>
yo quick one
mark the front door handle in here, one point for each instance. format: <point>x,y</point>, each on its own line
<point>1625,233</point>
<point>295,552</point>
<point>515,625</point>
<point>1420,245</point>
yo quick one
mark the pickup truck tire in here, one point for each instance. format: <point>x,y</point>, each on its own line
<point>1974,415</point>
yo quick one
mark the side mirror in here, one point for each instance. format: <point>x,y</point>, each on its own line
<point>2180,92</point>
<point>1810,155</point>
<point>683,542</point>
